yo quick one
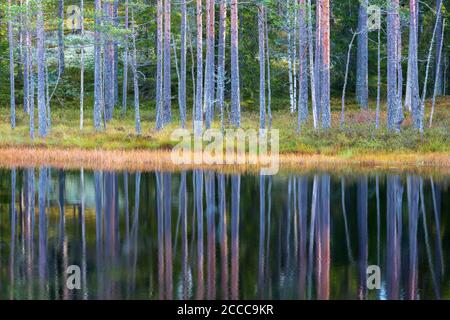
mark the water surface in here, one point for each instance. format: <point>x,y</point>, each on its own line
<point>206,235</point>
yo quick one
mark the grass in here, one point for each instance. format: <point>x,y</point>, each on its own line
<point>357,139</point>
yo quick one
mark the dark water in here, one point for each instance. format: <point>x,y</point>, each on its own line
<point>204,235</point>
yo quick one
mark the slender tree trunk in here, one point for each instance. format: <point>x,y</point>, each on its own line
<point>108,62</point>
<point>392,62</point>
<point>345,79</point>
<point>125,62</point>
<point>159,66</point>
<point>221,60</point>
<point>438,78</point>
<point>325,63</point>
<point>116,54</point>
<point>137,116</point>
<point>413,67</point>
<point>377,115</point>
<point>41,70</point>
<point>82,69</point>
<point>97,68</point>
<point>182,86</point>
<point>198,113</point>
<point>27,60</point>
<point>312,71</point>
<point>262,69</point>
<point>61,63</point>
<point>427,69</point>
<point>11,69</point>
<point>269,89</point>
<point>209,66</point>
<point>439,65</point>
<point>303,65</point>
<point>167,118</point>
<point>235,82</point>
<point>362,78</point>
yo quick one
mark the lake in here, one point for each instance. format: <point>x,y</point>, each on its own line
<point>209,235</point>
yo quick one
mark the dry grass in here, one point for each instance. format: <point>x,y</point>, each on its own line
<point>148,160</point>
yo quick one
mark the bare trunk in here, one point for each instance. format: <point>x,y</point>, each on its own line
<point>269,89</point>
<point>362,78</point>
<point>159,65</point>
<point>167,117</point>
<point>346,78</point>
<point>97,68</point>
<point>413,68</point>
<point>262,69</point>
<point>61,64</point>
<point>198,114</point>
<point>182,85</point>
<point>438,78</point>
<point>82,69</point>
<point>325,63</point>
<point>42,107</point>
<point>11,69</point>
<point>312,71</point>
<point>137,116</point>
<point>221,60</point>
<point>303,65</point>
<point>125,62</point>
<point>235,82</point>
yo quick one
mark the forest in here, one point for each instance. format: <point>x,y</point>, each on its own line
<point>335,77</point>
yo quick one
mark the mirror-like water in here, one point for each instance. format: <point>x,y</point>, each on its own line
<point>205,235</point>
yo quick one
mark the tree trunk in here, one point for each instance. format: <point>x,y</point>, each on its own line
<point>209,66</point>
<point>377,112</point>
<point>61,63</point>
<point>362,80</point>
<point>262,69</point>
<point>392,65</point>
<point>182,86</point>
<point>269,89</point>
<point>413,67</point>
<point>167,117</point>
<point>198,113</point>
<point>159,66</point>
<point>97,69</point>
<point>303,65</point>
<point>312,71</point>
<point>221,60</point>
<point>438,78</point>
<point>82,69</point>
<point>108,62</point>
<point>41,70</point>
<point>345,79</point>
<point>235,82</point>
<point>439,65</point>
<point>125,62</point>
<point>325,63</point>
<point>137,116</point>
<point>11,69</point>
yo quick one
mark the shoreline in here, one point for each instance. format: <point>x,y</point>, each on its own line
<point>150,160</point>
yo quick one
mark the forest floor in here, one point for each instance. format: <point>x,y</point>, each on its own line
<point>357,142</point>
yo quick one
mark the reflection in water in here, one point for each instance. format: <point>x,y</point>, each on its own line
<point>207,235</point>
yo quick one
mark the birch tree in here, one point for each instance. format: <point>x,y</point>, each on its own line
<point>439,70</point>
<point>137,116</point>
<point>392,67</point>
<point>125,61</point>
<point>82,68</point>
<point>362,85</point>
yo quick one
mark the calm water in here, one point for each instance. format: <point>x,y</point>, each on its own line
<point>204,235</point>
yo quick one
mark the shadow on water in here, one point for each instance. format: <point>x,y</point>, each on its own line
<point>208,235</point>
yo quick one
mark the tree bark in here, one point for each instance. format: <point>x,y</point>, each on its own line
<point>159,66</point>
<point>262,69</point>
<point>198,113</point>
<point>221,60</point>
<point>439,65</point>
<point>325,63</point>
<point>137,116</point>
<point>362,80</point>
<point>97,70</point>
<point>303,65</point>
<point>182,87</point>
<point>125,62</point>
<point>167,117</point>
<point>82,69</point>
<point>61,63</point>
<point>11,69</point>
<point>41,70</point>
<point>235,81</point>
<point>209,66</point>
<point>413,67</point>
